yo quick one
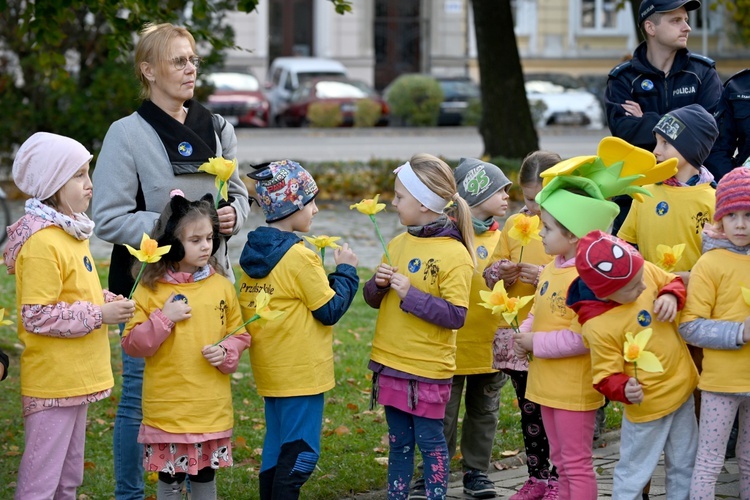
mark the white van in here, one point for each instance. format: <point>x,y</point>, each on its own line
<point>287,73</point>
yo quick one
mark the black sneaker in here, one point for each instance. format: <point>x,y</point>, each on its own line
<point>478,485</point>
<point>417,490</point>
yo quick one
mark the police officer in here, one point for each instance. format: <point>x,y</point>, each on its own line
<point>662,75</point>
<point>733,117</point>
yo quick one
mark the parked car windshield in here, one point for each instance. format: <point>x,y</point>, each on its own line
<point>234,81</point>
<point>459,87</point>
<point>330,89</point>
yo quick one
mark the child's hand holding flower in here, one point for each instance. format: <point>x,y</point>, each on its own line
<point>523,344</point>
<point>214,354</point>
<point>634,391</point>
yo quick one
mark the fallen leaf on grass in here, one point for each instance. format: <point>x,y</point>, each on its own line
<point>89,465</point>
<point>382,460</point>
<point>509,453</point>
<point>352,407</point>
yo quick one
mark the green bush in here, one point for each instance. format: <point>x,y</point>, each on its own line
<point>367,113</point>
<point>473,113</point>
<point>415,99</point>
<point>324,115</point>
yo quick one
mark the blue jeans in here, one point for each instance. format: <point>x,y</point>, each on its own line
<point>128,453</point>
<point>404,431</point>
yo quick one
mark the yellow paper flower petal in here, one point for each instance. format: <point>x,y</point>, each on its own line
<point>323,241</point>
<point>150,251</point>
<point>4,321</point>
<point>220,167</point>
<point>525,229</point>
<point>509,317</point>
<point>648,362</point>
<point>634,351</point>
<point>746,294</point>
<point>368,206</point>
<point>263,310</point>
<point>668,257</point>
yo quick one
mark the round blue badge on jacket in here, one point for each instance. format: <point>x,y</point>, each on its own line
<point>647,85</point>
<point>543,289</point>
<point>414,265</point>
<point>482,252</point>
<point>87,263</point>
<point>662,208</point>
<point>185,148</point>
<point>644,318</point>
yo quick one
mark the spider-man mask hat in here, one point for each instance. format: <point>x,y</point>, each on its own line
<point>606,263</point>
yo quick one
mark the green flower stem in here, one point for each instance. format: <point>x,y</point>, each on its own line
<point>516,329</point>
<point>243,325</point>
<point>323,256</point>
<point>140,273</point>
<point>635,366</point>
<point>218,195</point>
<point>382,242</point>
<point>520,256</point>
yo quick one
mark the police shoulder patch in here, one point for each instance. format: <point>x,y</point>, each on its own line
<point>619,68</point>
<point>705,60</point>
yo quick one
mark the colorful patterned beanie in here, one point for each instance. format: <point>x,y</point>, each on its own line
<point>733,192</point>
<point>283,188</point>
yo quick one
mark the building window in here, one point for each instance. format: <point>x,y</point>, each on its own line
<point>602,17</point>
<point>524,16</point>
<point>598,14</point>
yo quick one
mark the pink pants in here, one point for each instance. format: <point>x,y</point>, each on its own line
<point>570,435</point>
<point>52,462</point>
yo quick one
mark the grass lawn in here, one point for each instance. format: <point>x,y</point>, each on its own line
<point>354,442</point>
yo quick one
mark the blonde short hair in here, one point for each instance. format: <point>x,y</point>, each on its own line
<point>153,48</point>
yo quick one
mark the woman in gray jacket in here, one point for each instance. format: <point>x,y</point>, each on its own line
<point>144,156</point>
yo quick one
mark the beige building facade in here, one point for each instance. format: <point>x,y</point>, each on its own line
<point>381,39</point>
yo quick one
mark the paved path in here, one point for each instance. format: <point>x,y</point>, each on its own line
<point>606,453</point>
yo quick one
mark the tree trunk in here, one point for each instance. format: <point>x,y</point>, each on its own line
<point>635,7</point>
<point>506,125</point>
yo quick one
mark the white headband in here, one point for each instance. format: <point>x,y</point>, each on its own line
<point>418,189</point>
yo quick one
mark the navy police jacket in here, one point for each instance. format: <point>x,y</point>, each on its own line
<point>692,79</point>
<point>733,118</point>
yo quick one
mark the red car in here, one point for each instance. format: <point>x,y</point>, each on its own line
<point>342,91</point>
<point>239,99</point>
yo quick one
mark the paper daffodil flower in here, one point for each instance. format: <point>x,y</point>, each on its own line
<point>745,295</point>
<point>263,314</point>
<point>669,256</point>
<point>634,351</point>
<point>322,242</point>
<point>223,170</point>
<point>150,251</point>
<point>370,207</point>
<point>3,321</point>
<point>498,302</point>
<point>525,228</point>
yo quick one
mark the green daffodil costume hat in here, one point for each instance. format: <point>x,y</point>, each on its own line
<point>576,191</point>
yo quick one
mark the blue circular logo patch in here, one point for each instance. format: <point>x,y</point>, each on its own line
<point>482,252</point>
<point>647,84</point>
<point>662,208</point>
<point>414,265</point>
<point>180,297</point>
<point>543,290</point>
<point>185,148</point>
<point>644,318</point>
<point>87,263</point>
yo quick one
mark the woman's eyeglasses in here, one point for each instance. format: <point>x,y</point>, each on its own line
<point>179,63</point>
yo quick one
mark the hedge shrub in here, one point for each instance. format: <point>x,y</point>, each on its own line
<point>367,113</point>
<point>324,114</point>
<point>415,100</point>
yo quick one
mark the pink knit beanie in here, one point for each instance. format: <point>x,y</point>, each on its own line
<point>733,192</point>
<point>45,162</point>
